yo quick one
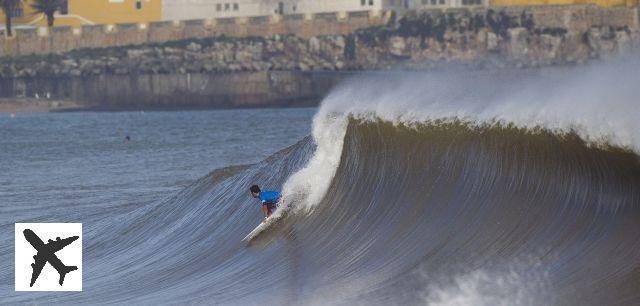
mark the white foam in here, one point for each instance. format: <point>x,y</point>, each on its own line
<point>601,104</point>
<point>512,287</point>
<point>307,186</point>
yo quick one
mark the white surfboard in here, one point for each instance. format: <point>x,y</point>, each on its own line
<point>277,215</point>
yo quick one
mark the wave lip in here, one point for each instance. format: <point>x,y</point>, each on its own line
<point>597,103</point>
<point>439,188</point>
<point>546,165</point>
<point>482,215</point>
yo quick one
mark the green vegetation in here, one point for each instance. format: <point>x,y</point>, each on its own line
<point>8,7</point>
<point>48,8</point>
<point>434,24</point>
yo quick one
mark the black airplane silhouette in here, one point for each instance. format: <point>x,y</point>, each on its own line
<point>46,253</point>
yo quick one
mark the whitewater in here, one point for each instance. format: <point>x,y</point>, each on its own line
<point>449,187</point>
<point>599,105</point>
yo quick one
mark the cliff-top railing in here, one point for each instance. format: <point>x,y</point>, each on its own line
<point>45,40</point>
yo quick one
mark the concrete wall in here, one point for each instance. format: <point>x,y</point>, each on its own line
<point>63,39</point>
<point>443,4</point>
<point>230,90</point>
<point>284,70</point>
<point>203,9</point>
<point>578,17</point>
<point>601,3</point>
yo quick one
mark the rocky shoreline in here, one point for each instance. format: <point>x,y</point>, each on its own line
<point>21,105</point>
<point>419,41</point>
<point>415,42</point>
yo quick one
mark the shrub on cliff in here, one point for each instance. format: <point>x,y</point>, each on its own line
<point>373,35</point>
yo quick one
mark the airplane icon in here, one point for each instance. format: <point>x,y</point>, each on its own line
<point>46,253</point>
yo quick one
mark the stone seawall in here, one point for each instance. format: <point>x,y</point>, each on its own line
<point>63,39</point>
<point>226,71</point>
<point>183,91</point>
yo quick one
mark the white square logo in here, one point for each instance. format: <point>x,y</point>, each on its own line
<point>48,256</point>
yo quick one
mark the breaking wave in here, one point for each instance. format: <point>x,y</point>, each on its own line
<point>446,188</point>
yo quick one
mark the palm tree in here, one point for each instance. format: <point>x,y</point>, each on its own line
<point>46,7</point>
<point>8,7</point>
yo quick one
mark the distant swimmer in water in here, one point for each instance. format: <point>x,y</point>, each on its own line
<point>127,139</point>
<point>269,200</point>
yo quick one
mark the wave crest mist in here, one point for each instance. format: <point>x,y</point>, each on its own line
<point>444,188</point>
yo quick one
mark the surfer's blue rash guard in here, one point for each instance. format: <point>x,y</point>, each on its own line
<point>269,197</point>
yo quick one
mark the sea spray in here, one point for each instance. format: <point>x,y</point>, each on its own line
<point>598,103</point>
<point>308,186</point>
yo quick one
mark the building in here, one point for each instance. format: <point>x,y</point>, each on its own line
<point>602,3</point>
<point>403,5</point>
<point>207,9</point>
<point>431,4</point>
<point>88,12</point>
<point>442,4</point>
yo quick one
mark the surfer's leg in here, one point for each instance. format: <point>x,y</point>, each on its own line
<point>272,208</point>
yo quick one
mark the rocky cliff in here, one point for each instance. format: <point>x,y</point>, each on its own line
<point>415,41</point>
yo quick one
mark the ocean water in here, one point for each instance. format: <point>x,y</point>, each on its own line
<point>79,161</point>
<point>423,188</point>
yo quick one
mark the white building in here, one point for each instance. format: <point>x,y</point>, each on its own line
<point>209,9</point>
<point>429,4</point>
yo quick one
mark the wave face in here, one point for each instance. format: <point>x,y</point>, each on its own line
<point>484,216</point>
<point>437,189</point>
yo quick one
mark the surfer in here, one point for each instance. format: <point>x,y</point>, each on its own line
<point>268,199</point>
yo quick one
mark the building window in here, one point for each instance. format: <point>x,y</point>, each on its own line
<point>64,7</point>
<point>18,12</point>
<point>227,6</point>
<point>235,6</point>
<point>441,2</point>
<point>434,2</point>
<point>138,4</point>
<point>363,2</point>
<point>219,7</point>
<point>370,2</point>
